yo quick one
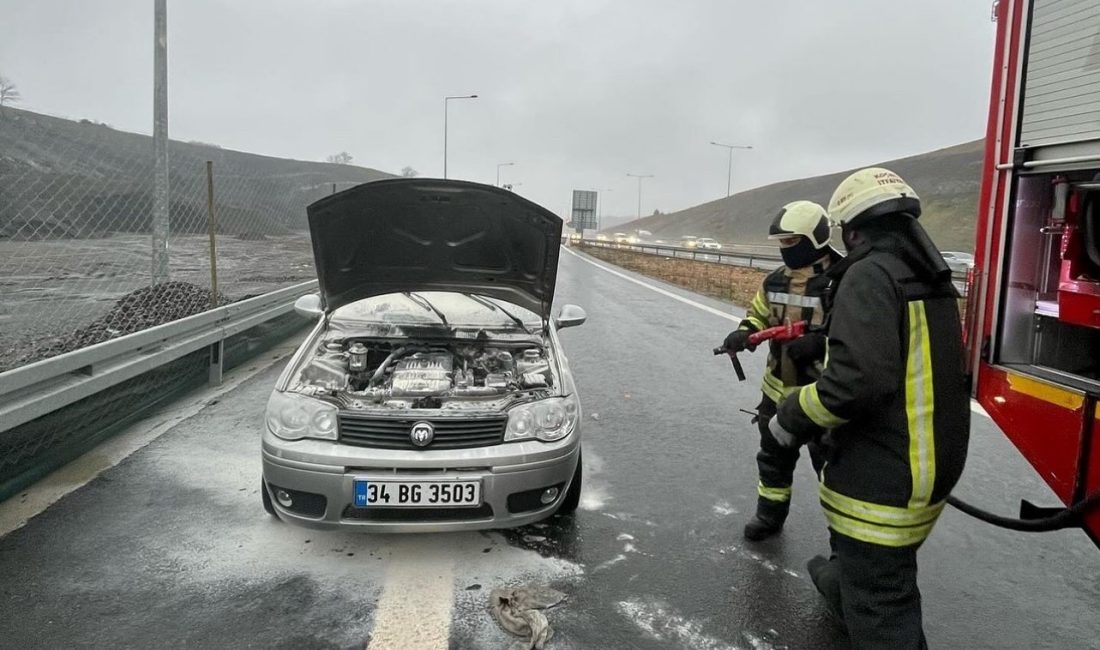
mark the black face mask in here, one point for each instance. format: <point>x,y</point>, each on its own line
<point>801,254</point>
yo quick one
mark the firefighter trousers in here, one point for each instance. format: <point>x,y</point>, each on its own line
<point>878,594</point>
<point>776,465</point>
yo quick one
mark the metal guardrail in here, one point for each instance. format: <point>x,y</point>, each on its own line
<point>765,258</point>
<point>39,388</point>
<point>749,256</point>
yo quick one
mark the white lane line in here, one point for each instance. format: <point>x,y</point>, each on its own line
<point>415,609</point>
<point>974,406</point>
<point>663,292</point>
<point>19,509</point>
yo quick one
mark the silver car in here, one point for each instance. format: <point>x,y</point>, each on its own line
<point>433,393</point>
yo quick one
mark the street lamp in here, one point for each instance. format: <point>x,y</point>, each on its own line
<point>499,165</point>
<point>729,172</point>
<point>639,177</point>
<point>446,103</point>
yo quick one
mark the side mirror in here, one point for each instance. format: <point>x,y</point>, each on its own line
<point>309,306</point>
<point>570,316</point>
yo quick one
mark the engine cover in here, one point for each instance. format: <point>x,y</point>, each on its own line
<point>423,374</point>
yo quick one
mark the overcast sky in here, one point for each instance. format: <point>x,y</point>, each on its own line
<point>576,92</point>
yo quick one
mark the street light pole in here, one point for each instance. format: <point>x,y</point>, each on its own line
<point>639,177</point>
<point>729,171</point>
<point>446,103</point>
<point>499,165</point>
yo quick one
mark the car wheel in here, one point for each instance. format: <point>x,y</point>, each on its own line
<point>267,500</point>
<point>573,496</point>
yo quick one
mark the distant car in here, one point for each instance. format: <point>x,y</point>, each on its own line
<point>958,262</point>
<point>708,243</point>
<point>689,241</point>
<point>621,238</point>
<point>601,237</point>
<point>432,393</point>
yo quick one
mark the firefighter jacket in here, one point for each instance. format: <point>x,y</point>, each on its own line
<point>794,295</point>
<point>893,394</point>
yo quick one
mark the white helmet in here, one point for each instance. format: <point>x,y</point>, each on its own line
<point>872,192</point>
<point>804,218</point>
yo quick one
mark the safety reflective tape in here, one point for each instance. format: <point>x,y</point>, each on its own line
<point>877,513</point>
<point>815,410</point>
<point>876,534</point>
<point>919,406</point>
<point>757,322</point>
<point>794,300</point>
<point>774,387</point>
<point>760,304</point>
<point>1046,392</point>
<point>773,493</point>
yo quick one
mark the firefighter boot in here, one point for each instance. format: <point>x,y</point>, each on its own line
<point>768,519</point>
<point>825,574</point>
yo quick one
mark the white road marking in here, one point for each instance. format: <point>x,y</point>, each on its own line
<point>19,509</point>
<point>414,611</point>
<point>974,406</point>
<point>663,292</point>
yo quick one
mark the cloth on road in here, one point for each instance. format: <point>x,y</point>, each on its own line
<point>518,611</point>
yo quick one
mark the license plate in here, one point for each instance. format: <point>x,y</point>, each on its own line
<point>413,494</point>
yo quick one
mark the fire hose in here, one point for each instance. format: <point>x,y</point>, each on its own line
<point>1032,519</point>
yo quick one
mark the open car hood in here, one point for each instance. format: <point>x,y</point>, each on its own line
<point>412,234</point>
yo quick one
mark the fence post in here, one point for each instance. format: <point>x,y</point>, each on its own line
<point>160,142</point>
<point>214,375</point>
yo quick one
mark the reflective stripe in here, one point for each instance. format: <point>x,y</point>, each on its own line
<point>877,534</point>
<point>773,493</point>
<point>760,304</point>
<point>794,300</point>
<point>878,513</point>
<point>774,387</point>
<point>756,322</point>
<point>815,410</point>
<point>919,401</point>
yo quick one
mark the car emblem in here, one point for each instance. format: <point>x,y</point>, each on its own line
<point>422,434</point>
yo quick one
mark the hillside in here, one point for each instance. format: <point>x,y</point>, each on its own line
<point>947,181</point>
<point>61,179</point>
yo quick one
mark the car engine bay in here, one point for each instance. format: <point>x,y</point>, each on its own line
<point>360,373</point>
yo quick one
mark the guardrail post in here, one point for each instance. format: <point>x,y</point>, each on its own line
<point>214,376</point>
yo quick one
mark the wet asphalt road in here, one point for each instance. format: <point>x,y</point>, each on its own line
<point>171,548</point>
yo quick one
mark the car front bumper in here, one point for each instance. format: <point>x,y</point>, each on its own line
<point>320,475</point>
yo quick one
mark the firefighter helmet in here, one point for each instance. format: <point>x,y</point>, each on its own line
<point>872,192</point>
<point>804,218</point>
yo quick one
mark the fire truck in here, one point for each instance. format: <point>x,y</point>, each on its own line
<point>1033,312</point>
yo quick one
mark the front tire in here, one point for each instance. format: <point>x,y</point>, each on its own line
<point>573,496</point>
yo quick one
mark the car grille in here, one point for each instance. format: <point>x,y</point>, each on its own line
<point>393,432</point>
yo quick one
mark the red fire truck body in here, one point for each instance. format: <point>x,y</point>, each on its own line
<point>1033,313</point>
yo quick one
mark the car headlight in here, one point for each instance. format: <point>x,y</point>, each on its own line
<point>547,420</point>
<point>293,417</point>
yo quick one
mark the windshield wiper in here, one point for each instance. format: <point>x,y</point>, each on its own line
<point>426,304</point>
<point>494,305</point>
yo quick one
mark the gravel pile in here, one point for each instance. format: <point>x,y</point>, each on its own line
<point>136,311</point>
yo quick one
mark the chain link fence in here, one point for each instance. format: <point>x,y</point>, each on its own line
<point>76,206</point>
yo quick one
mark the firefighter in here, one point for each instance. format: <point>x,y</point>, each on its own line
<point>894,396</point>
<point>791,292</point>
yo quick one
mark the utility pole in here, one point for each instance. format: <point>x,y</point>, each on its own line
<point>160,142</point>
<point>446,103</point>
<point>639,177</point>
<point>729,170</point>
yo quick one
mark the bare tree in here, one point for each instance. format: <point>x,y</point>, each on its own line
<point>342,158</point>
<point>409,172</point>
<point>9,94</point>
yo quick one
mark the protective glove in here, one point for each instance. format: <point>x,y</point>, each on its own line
<point>738,340</point>
<point>807,349</point>
<point>782,436</point>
